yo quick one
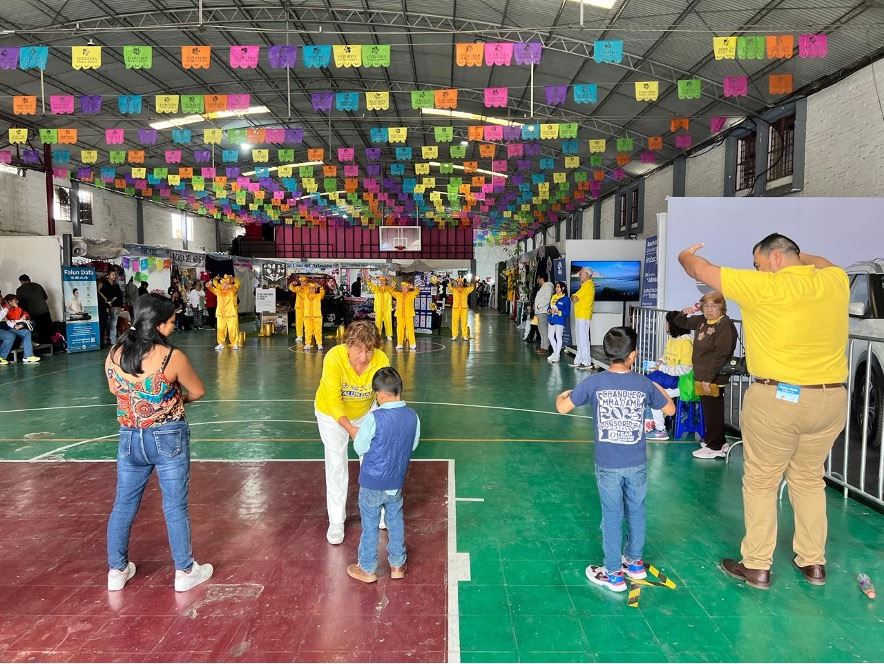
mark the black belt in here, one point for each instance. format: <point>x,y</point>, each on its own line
<point>821,386</point>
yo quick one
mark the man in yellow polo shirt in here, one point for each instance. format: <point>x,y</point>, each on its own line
<point>794,309</point>
<point>584,299</point>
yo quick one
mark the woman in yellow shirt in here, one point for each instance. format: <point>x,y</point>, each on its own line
<point>345,397</point>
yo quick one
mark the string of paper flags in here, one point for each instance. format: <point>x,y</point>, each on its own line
<point>472,54</point>
<point>325,101</point>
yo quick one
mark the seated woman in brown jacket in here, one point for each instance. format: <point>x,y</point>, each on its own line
<point>715,338</point>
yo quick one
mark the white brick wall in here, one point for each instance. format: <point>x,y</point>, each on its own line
<point>705,173</point>
<point>658,186</point>
<point>844,152</point>
<point>23,212</point>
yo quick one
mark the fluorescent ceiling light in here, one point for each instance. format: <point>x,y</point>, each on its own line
<point>478,170</point>
<point>215,115</point>
<point>464,142</point>
<point>305,163</point>
<point>320,193</point>
<point>604,4</point>
<point>245,147</point>
<point>462,115</point>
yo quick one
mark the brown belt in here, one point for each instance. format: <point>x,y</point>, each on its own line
<point>822,386</point>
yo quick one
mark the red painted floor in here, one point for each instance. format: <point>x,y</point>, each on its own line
<point>280,592</point>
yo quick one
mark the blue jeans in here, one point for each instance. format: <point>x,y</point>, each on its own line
<point>166,447</point>
<point>370,503</point>
<point>622,492</point>
<point>8,337</point>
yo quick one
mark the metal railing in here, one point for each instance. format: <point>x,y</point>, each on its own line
<point>856,462</point>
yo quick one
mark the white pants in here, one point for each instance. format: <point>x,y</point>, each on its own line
<point>556,333</point>
<point>659,420</point>
<point>582,338</point>
<point>337,476</point>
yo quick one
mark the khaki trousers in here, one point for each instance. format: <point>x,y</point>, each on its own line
<point>791,439</point>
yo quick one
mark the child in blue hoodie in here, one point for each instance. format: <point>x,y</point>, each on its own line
<point>384,442</point>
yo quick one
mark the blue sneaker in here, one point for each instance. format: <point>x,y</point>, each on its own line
<point>600,577</point>
<point>657,434</point>
<point>634,570</point>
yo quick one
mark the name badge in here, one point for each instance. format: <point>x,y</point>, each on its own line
<point>790,393</point>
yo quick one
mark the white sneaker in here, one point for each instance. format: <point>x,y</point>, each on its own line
<point>308,347</point>
<point>198,574</point>
<point>454,338</point>
<point>319,348</point>
<point>413,347</point>
<point>399,347</point>
<point>335,533</point>
<point>234,347</point>
<point>389,338</point>
<point>30,360</point>
<point>4,360</point>
<point>299,339</point>
<point>708,453</point>
<point>219,347</point>
<point>117,578</point>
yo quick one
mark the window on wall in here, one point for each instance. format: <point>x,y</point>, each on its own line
<point>61,204</point>
<point>623,215</point>
<point>182,227</point>
<point>629,210</point>
<point>781,151</point>
<point>745,171</point>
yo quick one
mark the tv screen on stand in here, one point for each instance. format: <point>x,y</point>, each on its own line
<point>615,281</point>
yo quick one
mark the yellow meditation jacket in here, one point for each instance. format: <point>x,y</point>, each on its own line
<point>300,294</point>
<point>313,303</point>
<point>226,298</point>
<point>383,297</point>
<point>405,303</point>
<point>460,295</point>
<point>341,390</point>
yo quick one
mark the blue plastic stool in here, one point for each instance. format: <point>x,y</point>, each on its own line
<point>688,419</point>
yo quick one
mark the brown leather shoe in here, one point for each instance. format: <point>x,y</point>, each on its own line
<point>398,572</point>
<point>756,578</point>
<point>360,574</point>
<point>814,574</point>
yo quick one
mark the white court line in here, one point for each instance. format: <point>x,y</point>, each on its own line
<point>205,401</point>
<point>470,500</point>
<point>193,424</point>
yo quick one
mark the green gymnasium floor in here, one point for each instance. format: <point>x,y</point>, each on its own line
<point>527,510</point>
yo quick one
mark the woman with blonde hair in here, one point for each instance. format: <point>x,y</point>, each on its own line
<point>715,338</point>
<point>344,397</point>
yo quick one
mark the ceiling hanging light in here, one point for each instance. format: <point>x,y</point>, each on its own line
<point>602,4</point>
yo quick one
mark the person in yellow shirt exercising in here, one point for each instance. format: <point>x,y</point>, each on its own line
<point>225,289</point>
<point>459,305</point>
<point>344,398</point>
<point>405,315</point>
<point>300,289</point>
<point>383,305</point>
<point>313,316</point>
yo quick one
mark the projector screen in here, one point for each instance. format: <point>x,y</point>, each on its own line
<point>400,238</point>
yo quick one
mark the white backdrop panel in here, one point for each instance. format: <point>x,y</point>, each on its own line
<point>844,230</point>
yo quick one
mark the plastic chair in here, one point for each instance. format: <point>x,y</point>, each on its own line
<point>688,419</point>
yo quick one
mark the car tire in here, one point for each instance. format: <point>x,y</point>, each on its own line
<point>876,403</point>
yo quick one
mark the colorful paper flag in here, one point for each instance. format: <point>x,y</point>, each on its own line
<point>780,46</point>
<point>469,54</point>
<point>813,46</point>
<point>736,86</point>
<point>608,50</point>
<point>750,47</point>
<point>196,57</point>
<point>647,90</point>
<point>528,53</point>
<point>347,55</point>
<point>166,103</point>
<point>244,57</point>
<point>724,48</point>
<point>86,57</point>
<point>496,97</point>
<point>377,101</point>
<point>555,94</point>
<point>586,93</point>
<point>689,88</point>
<point>498,53</point>
<point>8,57</point>
<point>24,105</point>
<point>138,57</point>
<point>376,55</point>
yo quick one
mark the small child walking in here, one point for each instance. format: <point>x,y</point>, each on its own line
<point>619,397</point>
<point>384,443</point>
